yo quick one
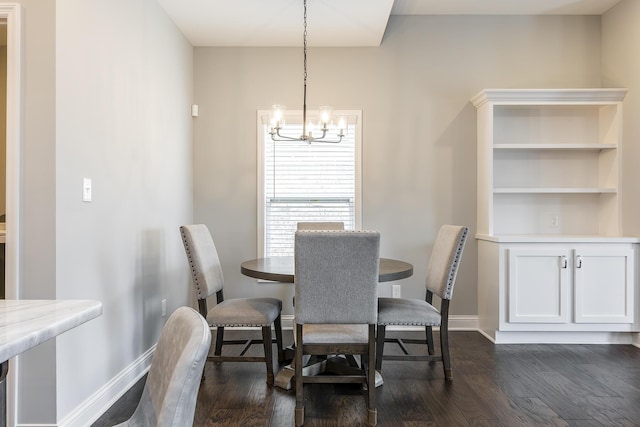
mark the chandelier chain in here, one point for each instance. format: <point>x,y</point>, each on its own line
<point>304,95</point>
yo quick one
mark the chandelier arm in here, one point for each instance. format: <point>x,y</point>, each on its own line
<point>322,139</point>
<point>277,137</point>
<point>327,141</point>
<point>281,137</point>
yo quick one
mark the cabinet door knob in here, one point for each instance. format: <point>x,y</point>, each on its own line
<point>578,261</point>
<point>564,261</point>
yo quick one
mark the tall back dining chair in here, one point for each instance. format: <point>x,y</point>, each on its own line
<point>206,273</point>
<point>170,392</point>
<point>441,277</point>
<point>336,278</point>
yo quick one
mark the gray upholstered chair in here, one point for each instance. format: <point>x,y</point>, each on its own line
<point>170,392</point>
<point>441,276</point>
<point>336,280</point>
<point>207,277</point>
<point>320,225</point>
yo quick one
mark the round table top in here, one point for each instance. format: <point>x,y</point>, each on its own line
<point>281,269</point>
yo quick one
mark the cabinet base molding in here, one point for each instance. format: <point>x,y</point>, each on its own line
<point>561,337</point>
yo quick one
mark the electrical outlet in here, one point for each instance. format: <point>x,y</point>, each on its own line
<point>395,291</point>
<point>555,221</point>
<point>164,307</point>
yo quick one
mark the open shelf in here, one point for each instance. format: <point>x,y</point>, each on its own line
<point>547,153</point>
<point>553,190</point>
<point>586,147</point>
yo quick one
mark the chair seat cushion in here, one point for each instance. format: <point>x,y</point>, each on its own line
<point>334,334</point>
<point>245,312</point>
<point>403,311</point>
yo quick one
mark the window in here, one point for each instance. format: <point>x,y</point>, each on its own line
<point>305,182</point>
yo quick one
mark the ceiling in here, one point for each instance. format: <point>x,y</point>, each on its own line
<point>337,23</point>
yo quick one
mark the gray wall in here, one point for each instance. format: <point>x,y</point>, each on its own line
<point>36,377</point>
<point>419,128</point>
<point>108,88</point>
<point>621,68</point>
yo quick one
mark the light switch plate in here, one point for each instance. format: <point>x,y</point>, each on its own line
<point>86,189</point>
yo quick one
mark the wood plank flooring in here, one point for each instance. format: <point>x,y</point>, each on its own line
<point>504,385</point>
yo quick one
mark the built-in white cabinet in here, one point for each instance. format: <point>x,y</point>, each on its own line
<point>564,284</point>
<point>553,265</point>
<point>538,286</point>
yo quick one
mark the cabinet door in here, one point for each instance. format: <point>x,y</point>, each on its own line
<point>603,285</point>
<point>538,286</point>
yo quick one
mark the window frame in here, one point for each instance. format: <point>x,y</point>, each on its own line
<point>296,116</point>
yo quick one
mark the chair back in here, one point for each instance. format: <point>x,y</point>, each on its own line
<point>327,225</point>
<point>206,270</point>
<point>445,260</point>
<point>170,393</point>
<point>336,276</point>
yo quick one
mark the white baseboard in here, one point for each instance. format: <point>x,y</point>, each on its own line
<point>559,337</point>
<point>98,403</point>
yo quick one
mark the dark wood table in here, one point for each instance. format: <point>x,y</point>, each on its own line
<point>281,269</point>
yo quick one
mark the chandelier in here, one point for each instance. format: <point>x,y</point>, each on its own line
<point>324,120</point>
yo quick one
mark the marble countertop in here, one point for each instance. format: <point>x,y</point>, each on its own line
<point>27,323</point>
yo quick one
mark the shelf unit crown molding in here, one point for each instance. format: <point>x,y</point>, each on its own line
<point>549,96</point>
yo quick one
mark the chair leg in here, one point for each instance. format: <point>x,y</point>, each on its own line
<point>380,346</point>
<point>372,411</point>
<point>444,348</point>
<point>205,365</point>
<point>268,352</point>
<point>219,339</point>
<point>430,348</point>
<point>299,411</point>
<point>278,326</point>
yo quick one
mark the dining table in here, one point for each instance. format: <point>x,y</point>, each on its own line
<point>282,269</point>
<point>27,323</point>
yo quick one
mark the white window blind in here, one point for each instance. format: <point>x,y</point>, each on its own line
<point>307,182</point>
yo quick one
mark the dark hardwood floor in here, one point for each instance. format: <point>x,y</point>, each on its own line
<point>504,385</point>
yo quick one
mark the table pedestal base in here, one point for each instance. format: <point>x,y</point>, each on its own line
<point>336,365</point>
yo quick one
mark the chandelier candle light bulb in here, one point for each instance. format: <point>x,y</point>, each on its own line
<point>325,117</point>
<point>342,125</point>
<point>277,119</point>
